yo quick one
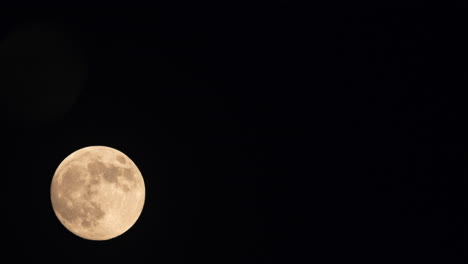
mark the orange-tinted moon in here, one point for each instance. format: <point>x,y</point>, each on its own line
<point>97,193</point>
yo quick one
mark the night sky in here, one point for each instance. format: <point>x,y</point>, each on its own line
<point>265,134</point>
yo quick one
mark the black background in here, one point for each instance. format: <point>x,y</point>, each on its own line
<point>199,99</point>
<point>265,134</point>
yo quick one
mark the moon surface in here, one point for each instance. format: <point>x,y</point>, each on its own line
<point>97,193</point>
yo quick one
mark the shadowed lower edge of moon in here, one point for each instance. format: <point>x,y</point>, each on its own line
<point>85,216</point>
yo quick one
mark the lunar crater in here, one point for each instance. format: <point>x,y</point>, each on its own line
<point>111,174</point>
<point>96,168</point>
<point>121,159</point>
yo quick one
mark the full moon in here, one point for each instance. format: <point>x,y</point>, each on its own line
<point>97,193</point>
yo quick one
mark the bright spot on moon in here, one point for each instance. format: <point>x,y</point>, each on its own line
<point>97,193</point>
